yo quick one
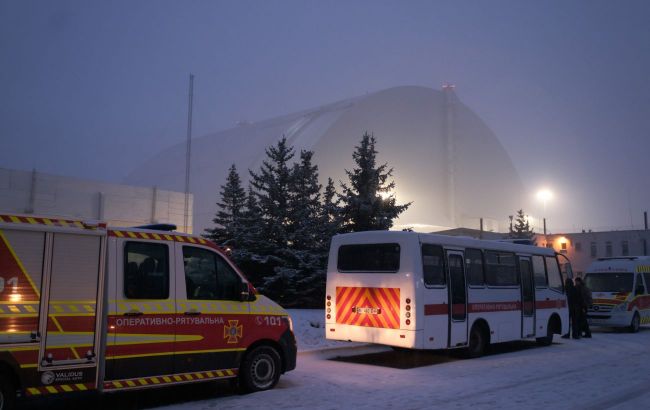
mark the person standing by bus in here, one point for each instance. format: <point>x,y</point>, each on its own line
<point>584,294</point>
<point>574,309</point>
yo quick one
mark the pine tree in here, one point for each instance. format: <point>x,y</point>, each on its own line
<point>270,253</point>
<point>304,203</point>
<point>521,229</point>
<point>250,242</point>
<point>331,221</point>
<point>272,185</point>
<point>229,212</point>
<point>363,207</point>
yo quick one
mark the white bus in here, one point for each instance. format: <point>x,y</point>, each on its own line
<point>620,294</point>
<point>426,291</point>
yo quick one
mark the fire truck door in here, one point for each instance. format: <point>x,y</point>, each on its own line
<point>142,322</point>
<point>75,275</point>
<point>212,318</point>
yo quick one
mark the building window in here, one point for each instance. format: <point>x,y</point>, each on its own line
<point>578,246</point>
<point>563,247</point>
<point>608,249</point>
<point>625,248</point>
<point>594,250</point>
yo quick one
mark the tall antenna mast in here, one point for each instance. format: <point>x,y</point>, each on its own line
<point>448,92</point>
<point>187,157</point>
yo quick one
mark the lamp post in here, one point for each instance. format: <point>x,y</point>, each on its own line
<point>544,195</point>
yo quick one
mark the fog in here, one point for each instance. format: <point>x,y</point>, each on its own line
<point>95,89</point>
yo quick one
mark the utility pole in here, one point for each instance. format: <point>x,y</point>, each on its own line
<point>448,92</point>
<point>188,156</point>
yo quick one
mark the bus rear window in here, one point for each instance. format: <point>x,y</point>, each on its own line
<point>375,258</point>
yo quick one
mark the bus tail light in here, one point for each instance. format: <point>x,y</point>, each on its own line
<point>407,315</point>
<point>329,306</point>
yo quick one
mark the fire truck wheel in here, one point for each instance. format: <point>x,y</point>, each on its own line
<point>7,392</point>
<point>477,342</point>
<point>636,323</point>
<point>261,369</point>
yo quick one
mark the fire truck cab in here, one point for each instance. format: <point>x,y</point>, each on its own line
<point>88,307</point>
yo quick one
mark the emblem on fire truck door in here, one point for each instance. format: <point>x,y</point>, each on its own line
<point>233,331</point>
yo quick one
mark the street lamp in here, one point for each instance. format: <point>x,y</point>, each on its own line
<point>544,195</point>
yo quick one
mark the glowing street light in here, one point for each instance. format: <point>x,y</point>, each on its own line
<point>544,195</point>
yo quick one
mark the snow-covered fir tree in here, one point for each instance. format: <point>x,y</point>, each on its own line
<point>304,203</point>
<point>521,229</point>
<point>272,187</point>
<point>230,209</point>
<point>250,241</point>
<point>364,209</point>
<point>331,219</point>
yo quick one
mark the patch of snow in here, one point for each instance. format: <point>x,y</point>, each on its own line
<point>309,328</point>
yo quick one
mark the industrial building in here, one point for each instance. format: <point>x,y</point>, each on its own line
<point>445,158</point>
<point>37,193</point>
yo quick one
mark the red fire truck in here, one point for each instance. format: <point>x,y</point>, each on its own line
<point>86,307</point>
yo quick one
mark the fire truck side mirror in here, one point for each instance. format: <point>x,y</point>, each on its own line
<point>245,293</point>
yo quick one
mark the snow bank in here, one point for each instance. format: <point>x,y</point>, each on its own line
<point>309,327</point>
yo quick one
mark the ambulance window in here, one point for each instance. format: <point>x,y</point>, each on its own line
<point>146,270</point>
<point>640,289</point>
<point>540,272</point>
<point>554,277</point>
<point>208,276</point>
<point>646,276</point>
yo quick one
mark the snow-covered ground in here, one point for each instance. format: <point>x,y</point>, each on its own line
<point>309,328</point>
<point>609,371</point>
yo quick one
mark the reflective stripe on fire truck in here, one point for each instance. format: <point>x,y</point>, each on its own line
<point>167,380</point>
<point>65,223</point>
<point>159,237</point>
<point>60,388</point>
<point>257,307</point>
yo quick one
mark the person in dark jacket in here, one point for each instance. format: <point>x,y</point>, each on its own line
<point>574,309</point>
<point>584,294</point>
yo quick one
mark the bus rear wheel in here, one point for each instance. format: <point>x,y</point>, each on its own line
<point>260,369</point>
<point>477,342</point>
<point>635,325</point>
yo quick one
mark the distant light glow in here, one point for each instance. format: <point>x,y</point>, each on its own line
<point>544,195</point>
<point>16,297</point>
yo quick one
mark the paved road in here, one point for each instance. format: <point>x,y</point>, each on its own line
<point>609,371</point>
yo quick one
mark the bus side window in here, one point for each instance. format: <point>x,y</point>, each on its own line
<point>474,263</point>
<point>554,277</point>
<point>501,269</point>
<point>433,270</point>
<point>540,271</point>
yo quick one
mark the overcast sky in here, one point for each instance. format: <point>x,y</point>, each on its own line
<point>90,88</point>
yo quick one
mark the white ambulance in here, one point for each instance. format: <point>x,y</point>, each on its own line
<point>86,307</point>
<point>619,288</point>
